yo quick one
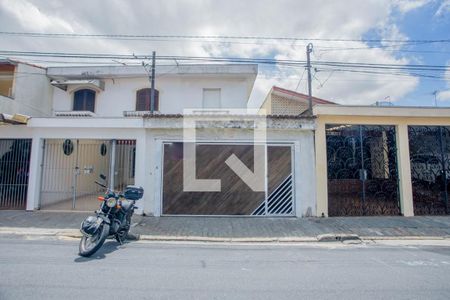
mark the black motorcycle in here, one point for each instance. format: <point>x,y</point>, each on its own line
<point>112,219</point>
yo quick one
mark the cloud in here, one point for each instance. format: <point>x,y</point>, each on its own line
<point>405,6</point>
<point>30,17</point>
<point>443,9</point>
<point>294,18</point>
<point>445,94</point>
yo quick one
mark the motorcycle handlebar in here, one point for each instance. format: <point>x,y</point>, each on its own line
<point>100,184</point>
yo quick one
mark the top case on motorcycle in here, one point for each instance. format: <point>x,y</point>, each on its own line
<point>126,204</point>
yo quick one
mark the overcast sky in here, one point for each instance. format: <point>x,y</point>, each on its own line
<point>346,19</point>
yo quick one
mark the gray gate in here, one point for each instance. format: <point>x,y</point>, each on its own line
<point>71,167</point>
<point>14,171</point>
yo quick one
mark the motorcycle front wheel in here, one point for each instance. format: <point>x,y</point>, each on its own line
<point>90,244</point>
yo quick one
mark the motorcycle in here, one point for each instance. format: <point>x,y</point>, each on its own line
<point>113,219</point>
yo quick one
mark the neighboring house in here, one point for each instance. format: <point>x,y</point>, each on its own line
<point>382,160</point>
<point>24,89</point>
<point>101,123</point>
<point>281,101</point>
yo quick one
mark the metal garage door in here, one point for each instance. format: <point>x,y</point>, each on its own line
<point>235,196</point>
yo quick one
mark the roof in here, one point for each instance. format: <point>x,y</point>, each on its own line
<point>382,111</point>
<point>15,62</point>
<point>115,71</point>
<point>145,114</point>
<point>16,119</point>
<point>300,96</point>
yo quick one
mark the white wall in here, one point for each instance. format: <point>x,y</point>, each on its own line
<point>175,94</point>
<point>149,152</point>
<point>32,94</point>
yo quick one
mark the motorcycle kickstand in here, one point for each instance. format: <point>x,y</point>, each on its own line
<point>119,240</point>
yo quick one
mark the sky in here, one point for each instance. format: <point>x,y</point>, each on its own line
<point>320,19</point>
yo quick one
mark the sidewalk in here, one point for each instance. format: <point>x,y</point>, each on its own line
<point>238,228</point>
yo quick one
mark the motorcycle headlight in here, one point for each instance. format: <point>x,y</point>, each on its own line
<point>111,202</point>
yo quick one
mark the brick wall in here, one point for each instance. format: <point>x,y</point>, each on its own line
<point>286,106</point>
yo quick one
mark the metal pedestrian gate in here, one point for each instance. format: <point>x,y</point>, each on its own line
<point>362,170</point>
<point>429,148</point>
<point>14,171</point>
<point>71,167</point>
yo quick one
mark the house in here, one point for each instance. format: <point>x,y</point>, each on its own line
<point>201,152</point>
<point>281,101</point>
<point>24,89</point>
<point>112,91</point>
<point>102,123</point>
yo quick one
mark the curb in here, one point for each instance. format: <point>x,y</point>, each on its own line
<point>337,237</point>
<point>325,238</point>
<point>74,233</point>
<point>228,239</point>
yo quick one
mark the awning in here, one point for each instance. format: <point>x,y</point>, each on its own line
<point>70,85</point>
<point>16,119</point>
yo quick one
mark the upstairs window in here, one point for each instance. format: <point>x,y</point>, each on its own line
<point>84,100</point>
<point>143,100</point>
<point>6,80</point>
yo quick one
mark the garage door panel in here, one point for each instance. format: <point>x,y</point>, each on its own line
<point>235,197</point>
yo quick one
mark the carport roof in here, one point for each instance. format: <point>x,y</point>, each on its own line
<point>381,111</point>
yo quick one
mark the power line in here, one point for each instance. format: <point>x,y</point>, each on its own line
<point>423,71</point>
<point>223,37</point>
<point>226,59</point>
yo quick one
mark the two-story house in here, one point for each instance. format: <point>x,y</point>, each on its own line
<point>102,123</point>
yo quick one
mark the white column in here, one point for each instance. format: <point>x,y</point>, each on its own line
<point>139,172</point>
<point>404,171</point>
<point>321,170</point>
<point>34,179</point>
<point>155,175</point>
<point>305,176</point>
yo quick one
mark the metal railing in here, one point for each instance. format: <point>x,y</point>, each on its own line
<point>14,171</point>
<point>71,167</point>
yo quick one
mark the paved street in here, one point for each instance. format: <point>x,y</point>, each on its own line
<point>49,268</point>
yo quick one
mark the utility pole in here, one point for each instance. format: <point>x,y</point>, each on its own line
<point>435,97</point>
<point>152,92</point>
<point>309,49</point>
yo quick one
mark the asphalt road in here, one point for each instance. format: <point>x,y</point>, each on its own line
<point>45,268</point>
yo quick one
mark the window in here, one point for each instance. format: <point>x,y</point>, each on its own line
<point>211,98</point>
<point>84,100</point>
<point>6,79</point>
<point>143,100</point>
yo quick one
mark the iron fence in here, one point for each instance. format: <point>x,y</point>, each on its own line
<point>14,172</point>
<point>71,167</point>
<point>429,148</point>
<point>362,170</point>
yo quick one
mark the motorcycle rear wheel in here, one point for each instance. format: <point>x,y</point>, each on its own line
<point>90,244</point>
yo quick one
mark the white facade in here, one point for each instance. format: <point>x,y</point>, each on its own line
<point>150,134</point>
<point>179,87</point>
